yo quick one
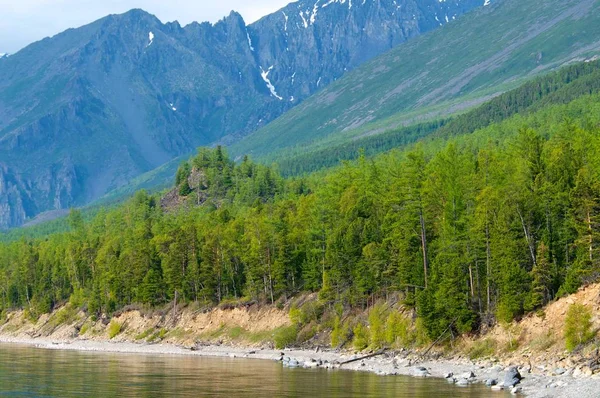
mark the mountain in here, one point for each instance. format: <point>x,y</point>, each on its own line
<point>89,109</point>
<point>449,70</point>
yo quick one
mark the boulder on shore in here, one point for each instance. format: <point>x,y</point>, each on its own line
<point>467,375</point>
<point>421,372</point>
<point>512,377</point>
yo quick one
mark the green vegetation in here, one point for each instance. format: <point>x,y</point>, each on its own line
<point>482,349</point>
<point>286,336</point>
<point>145,334</point>
<point>461,228</point>
<point>377,331</point>
<point>361,337</point>
<point>493,50</point>
<point>65,315</point>
<point>114,329</point>
<point>560,87</point>
<point>543,342</point>
<point>398,330</point>
<point>340,334</point>
<point>578,327</point>
<point>85,328</point>
<point>158,335</point>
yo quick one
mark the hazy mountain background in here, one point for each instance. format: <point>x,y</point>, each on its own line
<point>84,112</point>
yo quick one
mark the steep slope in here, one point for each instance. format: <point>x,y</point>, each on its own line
<point>453,68</point>
<point>560,87</point>
<point>91,108</point>
<point>334,36</point>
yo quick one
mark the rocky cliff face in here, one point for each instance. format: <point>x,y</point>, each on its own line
<point>85,111</point>
<point>309,44</point>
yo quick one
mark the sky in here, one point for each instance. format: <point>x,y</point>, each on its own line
<point>25,21</point>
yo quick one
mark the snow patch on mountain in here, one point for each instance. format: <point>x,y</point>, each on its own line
<point>270,86</point>
<point>249,41</point>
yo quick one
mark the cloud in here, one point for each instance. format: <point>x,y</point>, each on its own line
<point>25,21</point>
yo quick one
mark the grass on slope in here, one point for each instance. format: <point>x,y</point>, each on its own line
<point>475,57</point>
<point>558,87</point>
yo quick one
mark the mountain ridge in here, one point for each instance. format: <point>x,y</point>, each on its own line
<point>93,107</point>
<point>481,55</point>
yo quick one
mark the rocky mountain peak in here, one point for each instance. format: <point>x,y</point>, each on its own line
<point>124,94</point>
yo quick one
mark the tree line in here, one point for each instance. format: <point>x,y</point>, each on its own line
<point>559,87</point>
<point>468,230</point>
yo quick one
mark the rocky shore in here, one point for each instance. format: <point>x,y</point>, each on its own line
<point>536,382</point>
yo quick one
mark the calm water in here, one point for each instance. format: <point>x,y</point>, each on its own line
<point>30,372</point>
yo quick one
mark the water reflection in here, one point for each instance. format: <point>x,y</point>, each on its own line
<point>29,372</point>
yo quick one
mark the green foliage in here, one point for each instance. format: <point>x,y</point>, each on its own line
<point>512,345</point>
<point>77,298</point>
<point>64,316</point>
<point>361,337</point>
<point>309,312</point>
<point>496,222</point>
<point>578,328</point>
<point>285,337</point>
<point>544,341</point>
<point>307,332</point>
<point>397,330</point>
<point>184,189</point>
<point>377,332</point>
<point>482,349</point>
<point>340,333</point>
<point>421,334</point>
<point>114,329</point>
<point>85,328</point>
<point>158,335</point>
<point>144,334</point>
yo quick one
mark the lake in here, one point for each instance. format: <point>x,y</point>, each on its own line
<point>32,372</point>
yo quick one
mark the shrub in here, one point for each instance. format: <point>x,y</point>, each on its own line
<point>376,327</point>
<point>361,337</point>
<point>296,315</point>
<point>184,189</point>
<point>85,328</point>
<point>41,306</point>
<point>236,332</point>
<point>114,329</point>
<point>543,342</point>
<point>309,312</point>
<point>397,330</point>
<point>421,338</point>
<point>512,345</point>
<point>578,326</point>
<point>77,298</point>
<point>64,316</point>
<point>483,348</point>
<point>158,335</point>
<point>307,332</point>
<point>144,334</point>
<point>340,333</point>
<point>285,336</point>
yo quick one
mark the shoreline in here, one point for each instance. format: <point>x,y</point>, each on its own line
<point>535,384</point>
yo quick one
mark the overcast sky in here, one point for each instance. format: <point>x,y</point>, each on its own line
<point>25,21</point>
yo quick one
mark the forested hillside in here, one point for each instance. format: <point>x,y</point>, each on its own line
<point>466,229</point>
<point>560,87</point>
<point>88,110</point>
<point>481,55</point>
